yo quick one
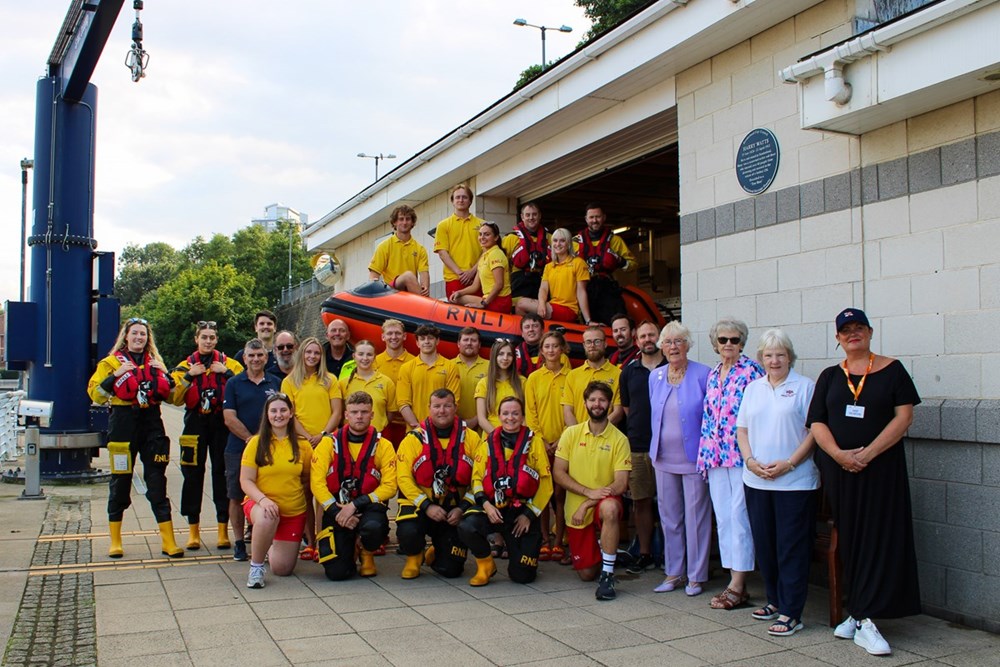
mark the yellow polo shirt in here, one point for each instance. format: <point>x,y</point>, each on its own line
<point>417,381</point>
<point>542,402</point>
<point>562,278</point>
<point>312,401</point>
<point>504,389</point>
<point>489,260</point>
<point>469,377</point>
<point>393,257</point>
<point>580,377</point>
<point>460,237</point>
<point>383,393</point>
<point>282,480</point>
<point>593,461</point>
<point>385,463</point>
<point>390,365</point>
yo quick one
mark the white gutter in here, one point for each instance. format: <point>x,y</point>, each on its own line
<point>506,105</point>
<point>831,63</point>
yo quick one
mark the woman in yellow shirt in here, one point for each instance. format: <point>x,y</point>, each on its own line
<point>492,278</point>
<point>563,294</point>
<point>544,416</point>
<point>501,381</point>
<point>374,383</point>
<point>315,393</point>
<point>274,473</point>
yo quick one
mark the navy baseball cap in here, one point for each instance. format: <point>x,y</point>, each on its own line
<point>850,315</point>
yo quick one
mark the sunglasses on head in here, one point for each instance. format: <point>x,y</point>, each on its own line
<point>137,320</point>
<point>207,324</point>
<point>735,340</point>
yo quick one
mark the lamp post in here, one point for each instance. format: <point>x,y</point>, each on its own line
<point>378,157</point>
<point>26,164</point>
<point>524,24</point>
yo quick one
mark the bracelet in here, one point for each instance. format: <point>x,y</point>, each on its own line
<point>791,466</point>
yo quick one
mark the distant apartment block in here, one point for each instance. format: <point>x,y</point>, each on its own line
<point>275,212</point>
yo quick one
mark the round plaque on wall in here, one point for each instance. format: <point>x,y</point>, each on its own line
<point>757,160</point>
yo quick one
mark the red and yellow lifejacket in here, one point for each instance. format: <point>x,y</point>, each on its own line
<point>144,385</point>
<point>453,466</point>
<point>206,390</point>
<point>599,258</point>
<point>511,479</point>
<point>532,252</point>
<point>353,476</point>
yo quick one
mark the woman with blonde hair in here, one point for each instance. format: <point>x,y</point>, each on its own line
<point>364,377</point>
<point>315,393</point>
<point>563,293</point>
<point>134,380</point>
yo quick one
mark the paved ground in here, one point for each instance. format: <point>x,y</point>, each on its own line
<point>63,602</point>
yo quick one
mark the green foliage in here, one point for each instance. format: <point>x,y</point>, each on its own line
<point>225,279</point>
<point>528,75</point>
<point>606,14</point>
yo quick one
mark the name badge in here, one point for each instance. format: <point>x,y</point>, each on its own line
<point>855,411</point>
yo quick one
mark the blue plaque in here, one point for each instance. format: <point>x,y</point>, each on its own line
<point>757,160</point>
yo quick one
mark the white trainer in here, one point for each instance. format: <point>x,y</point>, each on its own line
<point>256,577</point>
<point>870,639</point>
<point>846,629</point>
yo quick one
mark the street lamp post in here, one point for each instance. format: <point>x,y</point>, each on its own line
<point>378,157</point>
<point>26,164</point>
<point>524,24</point>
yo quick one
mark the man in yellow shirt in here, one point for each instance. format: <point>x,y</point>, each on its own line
<point>400,260</point>
<point>389,362</point>
<point>434,471</point>
<point>353,477</point>
<point>604,252</point>
<point>592,463</point>
<point>471,369</point>
<point>456,241</point>
<point>420,376</point>
<point>597,367</point>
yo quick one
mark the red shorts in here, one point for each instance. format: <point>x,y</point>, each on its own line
<point>501,304</point>
<point>583,542</point>
<point>394,432</point>
<point>562,313</point>
<point>290,528</point>
<point>452,286</point>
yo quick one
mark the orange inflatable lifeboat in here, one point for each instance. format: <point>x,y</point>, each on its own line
<point>365,308</point>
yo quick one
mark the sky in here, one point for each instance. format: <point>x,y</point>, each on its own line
<point>252,103</point>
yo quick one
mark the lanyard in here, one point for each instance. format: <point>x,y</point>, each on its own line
<point>856,391</point>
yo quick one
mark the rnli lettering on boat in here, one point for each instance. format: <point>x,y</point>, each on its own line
<point>486,318</point>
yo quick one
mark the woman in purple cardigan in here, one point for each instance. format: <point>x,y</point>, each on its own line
<point>677,397</point>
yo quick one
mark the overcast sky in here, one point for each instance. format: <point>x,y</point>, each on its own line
<point>250,103</point>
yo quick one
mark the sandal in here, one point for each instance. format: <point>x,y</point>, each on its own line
<point>567,558</point>
<point>785,628</point>
<point>729,600</point>
<point>558,553</point>
<point>766,613</point>
<point>545,553</point>
<point>308,553</point>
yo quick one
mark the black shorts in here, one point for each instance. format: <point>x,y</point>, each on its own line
<point>233,489</point>
<point>525,284</point>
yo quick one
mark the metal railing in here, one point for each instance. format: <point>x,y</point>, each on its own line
<point>300,291</point>
<point>8,425</point>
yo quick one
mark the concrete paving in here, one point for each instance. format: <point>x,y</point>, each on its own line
<point>62,601</point>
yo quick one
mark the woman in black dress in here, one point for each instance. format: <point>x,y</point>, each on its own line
<point>859,414</point>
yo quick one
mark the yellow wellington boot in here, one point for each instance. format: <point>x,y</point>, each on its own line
<point>194,537</point>
<point>169,547</point>
<point>224,542</point>
<point>429,555</point>
<point>485,568</point>
<point>412,568</point>
<point>367,568</point>
<point>115,550</point>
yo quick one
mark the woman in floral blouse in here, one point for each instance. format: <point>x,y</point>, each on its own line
<point>719,456</point>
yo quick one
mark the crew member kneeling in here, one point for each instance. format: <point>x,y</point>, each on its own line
<point>512,485</point>
<point>353,478</point>
<point>434,471</point>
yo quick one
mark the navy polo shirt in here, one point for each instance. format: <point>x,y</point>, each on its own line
<point>247,399</point>
<point>634,388</point>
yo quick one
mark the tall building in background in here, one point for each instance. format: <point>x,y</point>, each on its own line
<point>275,212</point>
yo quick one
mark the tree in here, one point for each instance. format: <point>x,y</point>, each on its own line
<point>528,75</point>
<point>143,269</point>
<point>208,292</point>
<point>606,14</point>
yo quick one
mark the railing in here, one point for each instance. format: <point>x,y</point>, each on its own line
<point>300,291</point>
<point>8,424</point>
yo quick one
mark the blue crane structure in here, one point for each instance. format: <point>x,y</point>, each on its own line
<point>70,318</point>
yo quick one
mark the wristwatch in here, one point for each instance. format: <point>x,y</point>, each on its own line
<point>483,301</point>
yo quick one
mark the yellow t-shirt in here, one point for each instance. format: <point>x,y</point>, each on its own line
<point>504,389</point>
<point>385,464</point>
<point>391,365</point>
<point>461,239</point>
<point>282,480</point>
<point>537,460</point>
<point>542,402</point>
<point>562,279</point>
<point>383,393</point>
<point>393,257</point>
<point>489,260</point>
<point>580,377</point>
<point>469,377</point>
<point>410,449</point>
<point>312,401</point>
<point>593,461</point>
<point>417,381</point>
